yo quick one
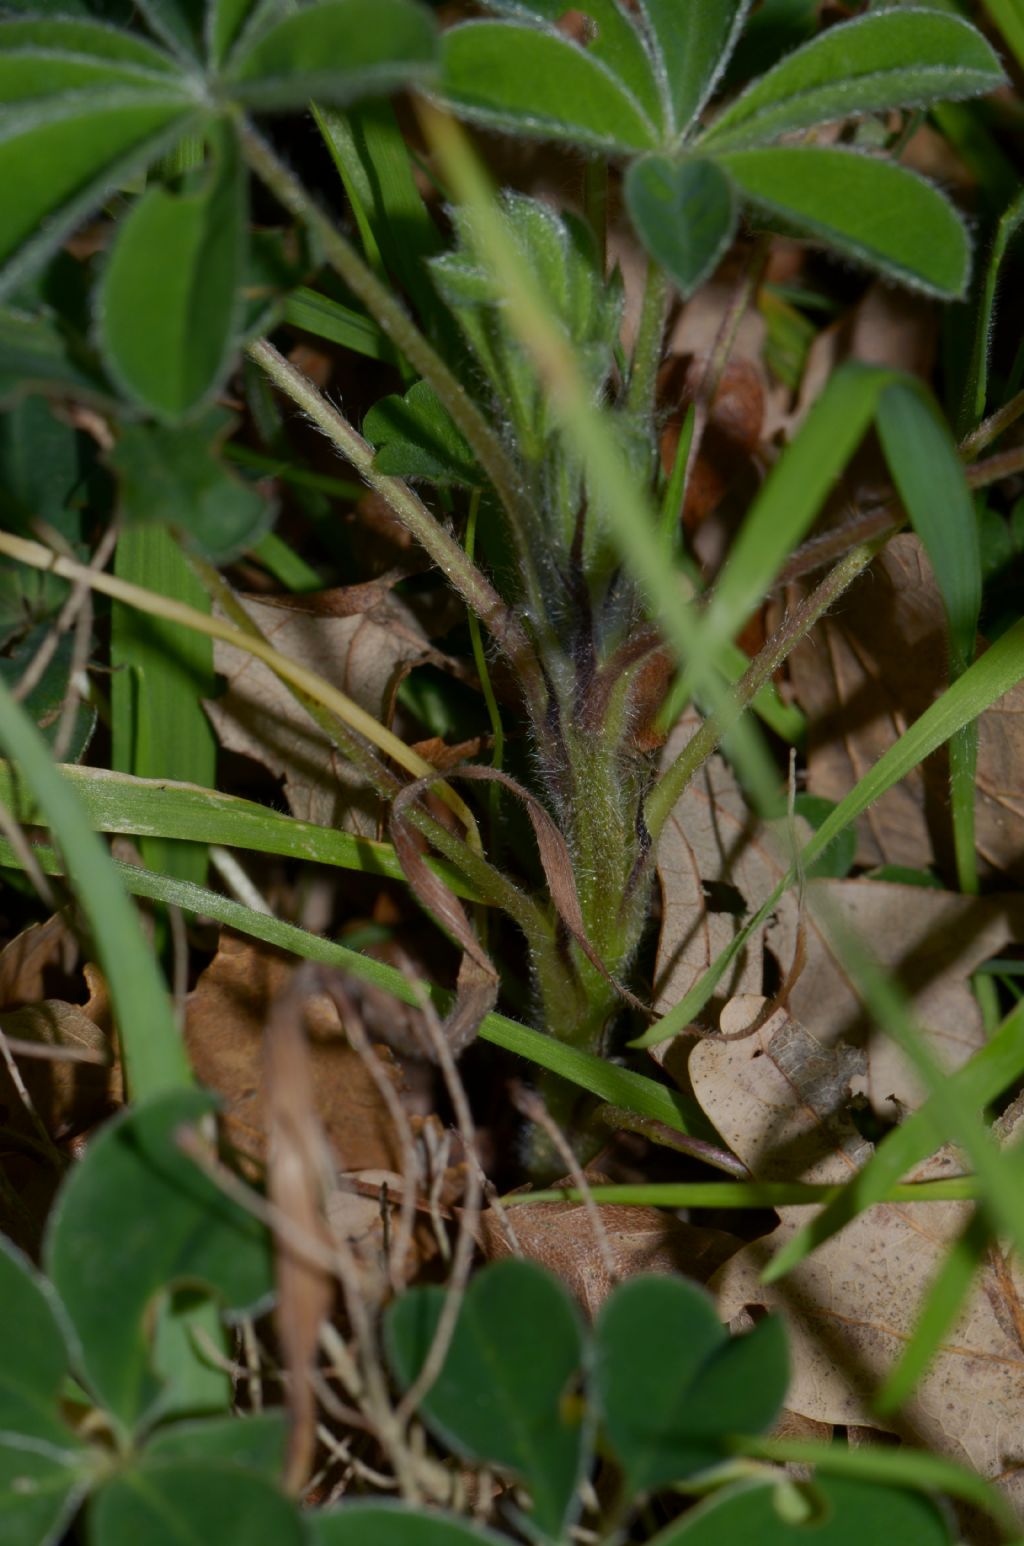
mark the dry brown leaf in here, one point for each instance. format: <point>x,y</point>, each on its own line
<point>779,1099</point>
<point>867,673</point>
<point>31,961</point>
<point>713,854</point>
<point>560,1235</point>
<point>67,1092</point>
<point>364,655</point>
<point>715,866</point>
<point>225,1017</point>
<point>299,1166</point>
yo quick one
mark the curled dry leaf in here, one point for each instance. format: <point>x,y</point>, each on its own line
<point>870,670</point>
<point>225,1017</point>
<point>781,1100</point>
<point>74,1078</point>
<point>364,654</point>
<point>560,1235</point>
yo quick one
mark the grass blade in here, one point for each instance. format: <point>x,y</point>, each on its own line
<point>152,1051</point>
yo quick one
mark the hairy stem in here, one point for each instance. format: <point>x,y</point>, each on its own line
<point>452,559</point>
<point>392,317</point>
<point>643,380</point>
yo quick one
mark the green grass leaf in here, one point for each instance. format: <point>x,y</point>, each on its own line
<point>684,213</point>
<point>137,1216</point>
<point>170,299</point>
<point>151,1048</point>
<point>538,83</point>
<point>336,51</point>
<point>516,1351</point>
<point>694,43</point>
<point>873,211</point>
<point>161,673</point>
<point>883,60</point>
<point>929,478</point>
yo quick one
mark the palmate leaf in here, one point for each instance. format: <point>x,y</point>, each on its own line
<point>59,159</point>
<point>135,1217</point>
<point>873,211</point>
<point>515,1354</point>
<point>684,213</point>
<point>170,296</point>
<point>887,59</point>
<point>192,1503</point>
<point>849,1512</point>
<point>612,38</point>
<point>694,43</point>
<point>537,82</point>
<point>43,1466</point>
<point>335,51</point>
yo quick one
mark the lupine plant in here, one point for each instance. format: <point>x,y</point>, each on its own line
<point>157,238</point>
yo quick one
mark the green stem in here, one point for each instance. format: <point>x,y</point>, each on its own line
<point>474,588</point>
<point>643,378</point>
<point>392,317</point>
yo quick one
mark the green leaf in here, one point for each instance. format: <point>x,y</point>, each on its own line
<point>873,211</point>
<point>162,672</point>
<point>500,1398</point>
<point>228,22</point>
<point>838,860</point>
<point>929,477</point>
<point>42,1464</point>
<point>37,355</point>
<point>326,318</point>
<point>33,1348</point>
<point>673,1386</point>
<point>136,1216</point>
<point>178,23</point>
<point>57,164</point>
<point>257,1441</point>
<point>834,1512</point>
<point>684,213</point>
<point>45,701</point>
<point>336,51</point>
<point>611,37</point>
<point>975,393</point>
<point>694,42</point>
<point>192,1503</point>
<point>415,438</point>
<point>85,38</point>
<point>151,1046</point>
<point>170,298</point>
<point>538,83</point>
<point>174,475</point>
<point>393,1524</point>
<point>883,60</point>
